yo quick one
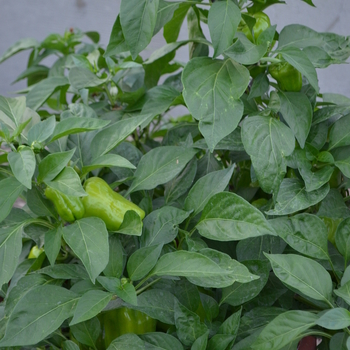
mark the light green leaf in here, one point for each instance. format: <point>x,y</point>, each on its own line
<point>53,164</point>
<point>268,141</point>
<point>297,112</point>
<point>38,95</point>
<point>88,238</point>
<point>337,318</point>
<point>90,305</point>
<point>293,197</point>
<point>303,274</point>
<point>342,159</point>
<point>212,89</point>
<point>131,225</point>
<point>116,42</point>
<point>13,108</point>
<point>22,164</point>
<point>342,239</point>
<point>159,166</point>
<point>138,19</point>
<point>10,189</point>
<point>223,20</point>
<point>87,332</point>
<point>22,44</point>
<point>339,135</point>
<point>53,240</point>
<point>344,292</point>
<point>205,188</point>
<point>76,125</point>
<point>126,342</point>
<point>68,182</point>
<point>162,341</point>
<point>108,160</point>
<point>40,132</point>
<point>283,329</point>
<point>45,308</point>
<point>228,217</point>
<point>81,78</point>
<point>172,28</point>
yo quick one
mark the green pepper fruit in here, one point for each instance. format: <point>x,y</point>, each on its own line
<point>261,24</point>
<point>106,204</point>
<point>287,77</point>
<point>69,208</point>
<point>35,252</point>
<point>123,320</point>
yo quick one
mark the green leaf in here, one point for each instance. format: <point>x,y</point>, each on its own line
<point>159,166</point>
<point>75,125</point>
<point>172,28</point>
<point>296,110</point>
<point>303,274</point>
<point>268,141</point>
<point>10,189</point>
<point>108,138</point>
<point>38,314</point>
<point>87,332</point>
<point>301,62</point>
<point>124,291</point>
<point>205,188</point>
<point>22,164</point>
<point>65,271</point>
<point>81,78</point>
<point>228,217</point>
<point>68,182</point>
<point>165,13</point>
<point>131,225</point>
<point>22,44</point>
<point>201,342</point>
<point>336,318</point>
<point>88,238</point>
<point>342,159</point>
<point>162,341</point>
<point>43,90</point>
<point>108,161</point>
<point>161,226</point>
<point>69,345</point>
<point>305,233</point>
<point>142,261</point>
<point>117,256</point>
<point>239,293</point>
<point>284,329</point>
<point>212,89</point>
<point>138,19</point>
<point>344,292</point>
<point>342,239</point>
<point>53,244</point>
<point>38,204</point>
<point>223,20</point>
<point>116,42</point>
<point>201,269</point>
<point>244,51</point>
<point>40,132</point>
<point>293,197</point>
<point>53,164</point>
<point>260,87</point>
<point>126,342</point>
<point>339,135</point>
<point>90,305</point>
<point>188,325</point>
<point>10,250</point>
<point>13,108</point>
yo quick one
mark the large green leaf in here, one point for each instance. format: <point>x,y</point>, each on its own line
<point>10,189</point>
<point>212,89</point>
<point>22,44</point>
<point>293,197</point>
<point>23,165</point>
<point>303,274</point>
<point>268,141</point>
<point>223,20</point>
<point>297,112</point>
<point>81,78</point>
<point>40,132</point>
<point>117,42</point>
<point>138,19</point>
<point>339,134</point>
<point>88,238</point>
<point>38,314</point>
<point>108,160</point>
<point>172,28</point>
<point>159,166</point>
<point>43,90</point>
<point>228,217</point>
<point>284,329</point>
<point>337,318</point>
<point>13,108</point>
<point>305,233</point>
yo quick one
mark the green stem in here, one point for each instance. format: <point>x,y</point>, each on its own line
<point>142,282</point>
<point>147,286</point>
<point>270,59</point>
<point>345,199</point>
<point>111,100</point>
<point>41,222</point>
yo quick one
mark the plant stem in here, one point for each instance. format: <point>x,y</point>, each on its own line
<point>147,286</point>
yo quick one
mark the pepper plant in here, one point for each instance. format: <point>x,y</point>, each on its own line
<point>228,227</point>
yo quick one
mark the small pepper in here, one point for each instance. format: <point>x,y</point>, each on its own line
<point>106,204</point>
<point>35,252</point>
<point>287,77</point>
<point>123,320</point>
<point>69,208</point>
<point>261,24</point>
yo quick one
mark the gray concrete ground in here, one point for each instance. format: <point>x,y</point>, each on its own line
<point>38,18</point>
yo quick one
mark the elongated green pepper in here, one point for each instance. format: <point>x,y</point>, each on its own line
<point>287,77</point>
<point>123,320</point>
<point>68,208</point>
<point>106,204</point>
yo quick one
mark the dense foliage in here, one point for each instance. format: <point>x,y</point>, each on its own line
<point>245,243</point>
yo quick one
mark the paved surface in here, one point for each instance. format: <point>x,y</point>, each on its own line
<point>38,18</point>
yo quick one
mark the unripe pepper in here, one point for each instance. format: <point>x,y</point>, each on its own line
<point>68,208</point>
<point>35,252</point>
<point>106,204</point>
<point>261,24</point>
<point>123,320</point>
<point>287,77</point>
